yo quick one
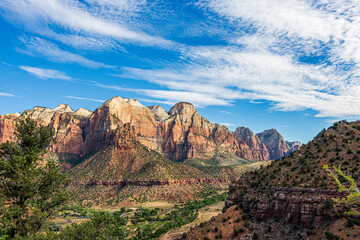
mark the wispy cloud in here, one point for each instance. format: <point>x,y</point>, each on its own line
<point>90,18</point>
<point>35,46</point>
<point>4,94</point>
<point>45,73</point>
<point>85,98</point>
<point>227,124</point>
<point>171,97</point>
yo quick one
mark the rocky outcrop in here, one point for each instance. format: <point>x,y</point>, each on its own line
<point>259,150</point>
<point>159,112</point>
<point>68,133</point>
<point>44,115</point>
<point>151,182</point>
<point>274,143</point>
<point>294,146</point>
<point>301,206</point>
<point>115,112</point>
<point>7,128</point>
<point>188,135</point>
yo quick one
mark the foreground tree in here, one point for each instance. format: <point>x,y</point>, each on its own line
<point>352,200</point>
<point>31,187</point>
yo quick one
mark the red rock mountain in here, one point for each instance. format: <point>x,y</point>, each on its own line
<point>180,134</point>
<point>258,148</point>
<point>275,143</point>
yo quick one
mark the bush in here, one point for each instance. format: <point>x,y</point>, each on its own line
<point>331,236</point>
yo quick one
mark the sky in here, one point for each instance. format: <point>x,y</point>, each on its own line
<point>292,65</point>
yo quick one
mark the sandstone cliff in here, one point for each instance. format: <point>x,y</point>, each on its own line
<point>259,150</point>
<point>188,135</point>
<point>180,134</point>
<point>275,143</point>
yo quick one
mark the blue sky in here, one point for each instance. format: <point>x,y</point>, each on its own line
<point>291,65</point>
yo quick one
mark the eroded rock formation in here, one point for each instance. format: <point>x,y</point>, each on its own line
<point>274,142</point>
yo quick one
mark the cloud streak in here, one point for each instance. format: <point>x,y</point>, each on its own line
<point>35,46</point>
<point>4,94</point>
<point>85,98</point>
<point>94,18</point>
<point>45,73</point>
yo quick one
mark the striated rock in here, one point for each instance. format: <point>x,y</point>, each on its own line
<point>159,112</point>
<point>294,146</point>
<point>274,143</point>
<point>301,206</point>
<point>259,150</point>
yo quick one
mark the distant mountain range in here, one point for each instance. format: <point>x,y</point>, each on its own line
<point>125,143</point>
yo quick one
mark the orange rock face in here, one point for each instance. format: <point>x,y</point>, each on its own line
<point>181,134</point>
<point>7,128</point>
<point>188,135</point>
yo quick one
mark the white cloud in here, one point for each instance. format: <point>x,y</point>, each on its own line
<point>4,94</point>
<point>171,97</point>
<point>35,46</point>
<point>45,73</point>
<point>95,18</point>
<point>85,98</point>
<point>227,124</point>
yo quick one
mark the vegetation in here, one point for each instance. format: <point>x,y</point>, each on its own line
<point>31,188</point>
<point>353,197</point>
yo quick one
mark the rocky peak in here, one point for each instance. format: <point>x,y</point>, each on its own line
<point>159,112</point>
<point>63,108</point>
<point>44,114</point>
<point>274,142</point>
<point>294,146</point>
<point>119,100</point>
<point>258,148</point>
<point>182,108</point>
<point>83,112</point>
<point>246,135</point>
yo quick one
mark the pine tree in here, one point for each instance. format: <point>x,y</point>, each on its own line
<point>31,186</point>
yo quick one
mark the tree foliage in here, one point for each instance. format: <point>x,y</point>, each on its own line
<point>353,197</point>
<point>32,187</point>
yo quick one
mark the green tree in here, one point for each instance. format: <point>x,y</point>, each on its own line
<point>31,186</point>
<point>353,197</point>
<point>100,227</point>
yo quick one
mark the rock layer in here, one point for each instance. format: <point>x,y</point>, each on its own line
<point>301,206</point>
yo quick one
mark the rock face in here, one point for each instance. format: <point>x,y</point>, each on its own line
<point>294,146</point>
<point>159,112</point>
<point>259,150</point>
<point>182,133</point>
<point>44,115</point>
<point>301,206</point>
<point>188,135</point>
<point>274,143</point>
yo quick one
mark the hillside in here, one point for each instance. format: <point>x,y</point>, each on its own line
<point>293,195</point>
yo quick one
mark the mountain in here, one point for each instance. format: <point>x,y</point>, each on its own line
<point>275,143</point>
<point>292,197</point>
<point>179,134</point>
<point>258,148</point>
<point>294,146</point>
